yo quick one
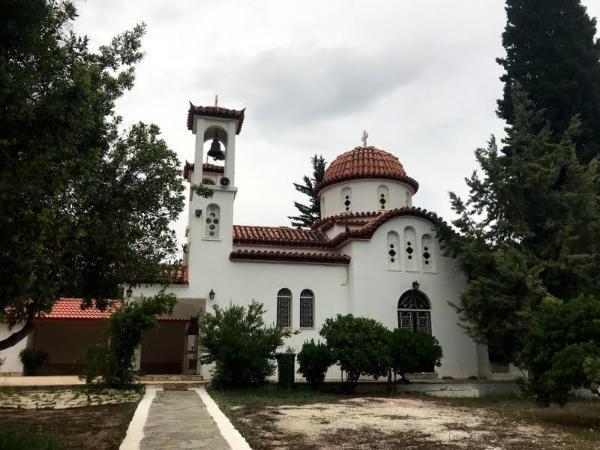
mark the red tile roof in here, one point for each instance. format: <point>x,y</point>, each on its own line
<point>367,223</point>
<point>347,218</point>
<point>70,308</point>
<point>215,111</point>
<point>189,168</point>
<point>366,232</point>
<point>303,257</point>
<point>366,162</point>
<point>284,236</point>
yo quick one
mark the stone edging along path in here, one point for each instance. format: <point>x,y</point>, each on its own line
<point>166,419</point>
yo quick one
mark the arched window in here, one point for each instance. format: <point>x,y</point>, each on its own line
<point>284,308</point>
<point>393,250</point>
<point>307,309</point>
<point>213,218</point>
<point>347,198</point>
<point>382,197</point>
<point>414,312</point>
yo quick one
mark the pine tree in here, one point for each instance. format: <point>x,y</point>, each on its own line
<point>552,52</point>
<point>529,229</point>
<point>310,213</point>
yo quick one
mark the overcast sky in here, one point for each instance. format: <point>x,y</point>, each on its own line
<point>419,76</point>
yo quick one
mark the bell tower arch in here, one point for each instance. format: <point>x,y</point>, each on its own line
<point>210,220</point>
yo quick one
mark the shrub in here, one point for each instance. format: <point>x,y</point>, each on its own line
<point>32,359</point>
<point>114,365</point>
<point>237,341</point>
<point>314,360</point>
<point>561,350</point>
<point>359,345</point>
<point>413,352</point>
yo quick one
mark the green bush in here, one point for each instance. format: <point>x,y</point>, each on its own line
<point>359,345</point>
<point>314,359</point>
<point>32,359</point>
<point>413,352</point>
<point>562,349</point>
<point>239,344</point>
<point>114,365</point>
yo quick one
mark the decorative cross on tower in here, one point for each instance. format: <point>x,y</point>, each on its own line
<point>365,135</point>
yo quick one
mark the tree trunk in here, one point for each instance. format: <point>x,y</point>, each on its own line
<point>18,336</point>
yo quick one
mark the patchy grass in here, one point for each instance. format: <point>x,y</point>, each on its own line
<point>580,418</point>
<point>13,439</point>
<point>65,418</point>
<point>304,419</point>
<point>98,427</point>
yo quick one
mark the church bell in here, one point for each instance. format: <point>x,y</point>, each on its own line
<point>215,151</point>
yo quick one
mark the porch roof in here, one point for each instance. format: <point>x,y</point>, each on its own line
<point>70,309</point>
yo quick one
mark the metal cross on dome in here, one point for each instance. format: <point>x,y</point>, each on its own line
<point>365,135</point>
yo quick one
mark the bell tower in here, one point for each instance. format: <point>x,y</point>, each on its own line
<point>210,222</point>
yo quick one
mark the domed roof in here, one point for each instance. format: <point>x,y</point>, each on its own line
<point>365,162</point>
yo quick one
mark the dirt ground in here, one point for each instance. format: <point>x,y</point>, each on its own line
<point>414,422</point>
<point>76,417</point>
<point>90,427</point>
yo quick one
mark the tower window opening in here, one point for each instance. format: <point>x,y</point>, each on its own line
<point>213,220</point>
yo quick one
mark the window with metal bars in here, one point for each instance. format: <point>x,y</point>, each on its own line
<point>284,308</point>
<point>414,312</point>
<point>307,309</point>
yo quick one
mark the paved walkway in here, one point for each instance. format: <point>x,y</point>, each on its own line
<point>179,420</point>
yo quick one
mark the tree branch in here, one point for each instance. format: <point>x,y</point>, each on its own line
<point>18,336</point>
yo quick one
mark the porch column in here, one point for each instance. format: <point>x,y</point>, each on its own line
<point>137,358</point>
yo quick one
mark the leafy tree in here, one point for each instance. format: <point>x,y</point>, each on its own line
<point>529,228</point>
<point>85,206</point>
<point>240,345</point>
<point>413,352</point>
<point>314,359</point>
<point>310,213</point>
<point>359,345</point>
<point>114,365</point>
<point>562,349</point>
<point>552,52</point>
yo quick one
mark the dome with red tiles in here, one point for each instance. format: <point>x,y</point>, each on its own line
<point>363,163</point>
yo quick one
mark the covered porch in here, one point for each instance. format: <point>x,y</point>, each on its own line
<point>171,348</point>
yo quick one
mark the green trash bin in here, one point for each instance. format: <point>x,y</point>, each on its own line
<point>285,369</point>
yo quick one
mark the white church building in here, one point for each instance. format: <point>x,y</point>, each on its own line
<point>373,254</point>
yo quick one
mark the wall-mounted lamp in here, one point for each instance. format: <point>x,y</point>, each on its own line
<point>211,294</point>
<point>416,285</point>
<point>198,212</point>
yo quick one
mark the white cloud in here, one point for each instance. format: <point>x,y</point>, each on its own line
<point>420,76</point>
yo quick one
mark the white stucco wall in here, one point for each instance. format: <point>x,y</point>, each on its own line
<point>12,363</point>
<point>375,291</point>
<point>365,288</point>
<point>364,196</point>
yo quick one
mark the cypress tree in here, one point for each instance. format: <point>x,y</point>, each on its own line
<point>552,52</point>
<point>529,229</point>
<point>311,212</point>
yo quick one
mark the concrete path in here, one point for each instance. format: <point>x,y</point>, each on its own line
<point>181,420</point>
